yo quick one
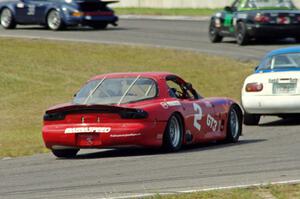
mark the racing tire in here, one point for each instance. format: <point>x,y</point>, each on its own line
<point>65,153</point>
<point>213,33</point>
<point>54,20</point>
<point>251,119</point>
<point>173,135</point>
<point>242,37</point>
<point>100,26</point>
<point>234,124</point>
<point>7,19</point>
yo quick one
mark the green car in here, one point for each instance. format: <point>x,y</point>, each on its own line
<point>256,19</point>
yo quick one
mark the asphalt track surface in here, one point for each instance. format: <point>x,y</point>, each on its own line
<point>266,153</point>
<point>188,35</point>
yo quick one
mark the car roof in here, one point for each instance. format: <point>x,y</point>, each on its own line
<point>284,51</point>
<point>153,75</point>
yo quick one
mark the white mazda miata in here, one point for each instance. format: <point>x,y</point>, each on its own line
<point>274,88</point>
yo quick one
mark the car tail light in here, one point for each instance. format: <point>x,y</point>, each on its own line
<point>53,116</point>
<point>77,14</point>
<point>254,87</point>
<point>261,18</point>
<point>134,114</point>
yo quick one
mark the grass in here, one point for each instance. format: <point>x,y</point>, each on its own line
<point>36,74</point>
<point>166,11</point>
<point>289,191</point>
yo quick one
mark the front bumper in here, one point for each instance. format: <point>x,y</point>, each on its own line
<point>271,104</point>
<point>126,134</point>
<point>278,31</point>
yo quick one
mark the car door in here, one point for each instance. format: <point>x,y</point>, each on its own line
<point>228,15</point>
<point>195,110</point>
<point>39,8</point>
<point>25,11</point>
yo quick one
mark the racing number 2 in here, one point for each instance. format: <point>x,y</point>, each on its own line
<point>198,116</point>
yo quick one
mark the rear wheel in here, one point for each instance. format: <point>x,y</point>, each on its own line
<point>54,20</point>
<point>173,134</point>
<point>65,153</point>
<point>234,124</point>
<point>251,119</point>
<point>242,37</point>
<point>100,26</point>
<point>214,35</point>
<point>7,19</point>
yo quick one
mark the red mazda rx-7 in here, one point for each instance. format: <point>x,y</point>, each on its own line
<point>139,109</point>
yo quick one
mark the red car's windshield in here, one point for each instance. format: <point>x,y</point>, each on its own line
<point>116,91</point>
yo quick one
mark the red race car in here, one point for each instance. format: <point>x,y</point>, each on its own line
<point>139,109</point>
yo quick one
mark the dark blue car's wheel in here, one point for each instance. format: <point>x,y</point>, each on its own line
<point>54,20</point>
<point>7,19</point>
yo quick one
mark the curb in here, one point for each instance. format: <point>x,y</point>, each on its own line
<point>165,17</point>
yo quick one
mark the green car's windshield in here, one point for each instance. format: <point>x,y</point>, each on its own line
<point>262,4</point>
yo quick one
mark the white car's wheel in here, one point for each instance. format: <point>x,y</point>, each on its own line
<point>251,119</point>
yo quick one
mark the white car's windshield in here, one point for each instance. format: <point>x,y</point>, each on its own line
<point>116,91</point>
<point>270,4</point>
<point>281,61</point>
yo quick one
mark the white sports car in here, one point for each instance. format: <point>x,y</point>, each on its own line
<point>274,88</point>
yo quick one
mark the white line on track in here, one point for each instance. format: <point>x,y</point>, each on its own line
<point>206,189</point>
<point>50,38</point>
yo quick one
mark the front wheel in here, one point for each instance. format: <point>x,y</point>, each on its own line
<point>7,19</point>
<point>54,20</point>
<point>213,33</point>
<point>242,37</point>
<point>173,134</point>
<point>234,124</point>
<point>65,153</point>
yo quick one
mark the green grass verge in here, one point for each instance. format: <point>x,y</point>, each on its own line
<point>37,74</point>
<point>288,191</point>
<point>166,11</point>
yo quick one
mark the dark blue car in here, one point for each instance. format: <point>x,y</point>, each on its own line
<point>57,14</point>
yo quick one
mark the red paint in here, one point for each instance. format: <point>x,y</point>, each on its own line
<point>146,132</point>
